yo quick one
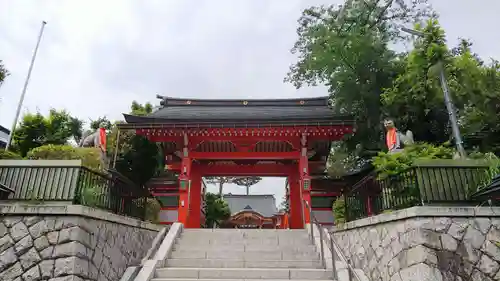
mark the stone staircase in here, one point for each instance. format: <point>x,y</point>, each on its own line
<point>233,254</point>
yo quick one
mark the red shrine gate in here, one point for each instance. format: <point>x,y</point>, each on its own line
<point>277,138</point>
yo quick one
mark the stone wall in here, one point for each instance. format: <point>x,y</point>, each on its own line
<point>426,244</point>
<point>64,243</point>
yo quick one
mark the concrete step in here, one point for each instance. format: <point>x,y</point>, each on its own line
<point>233,230</point>
<point>245,241</point>
<point>185,245</point>
<point>248,256</point>
<point>245,233</point>
<point>243,273</point>
<point>195,279</point>
<point>231,263</point>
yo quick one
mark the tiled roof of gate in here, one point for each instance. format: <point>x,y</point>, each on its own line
<point>182,111</point>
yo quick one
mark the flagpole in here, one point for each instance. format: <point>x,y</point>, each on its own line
<point>23,93</point>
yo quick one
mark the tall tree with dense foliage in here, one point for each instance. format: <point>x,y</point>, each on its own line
<point>346,49</point>
<point>416,96</point>
<point>415,99</point>
<point>138,158</point>
<point>36,130</point>
<point>477,88</point>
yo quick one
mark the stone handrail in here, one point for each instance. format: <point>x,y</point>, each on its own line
<point>132,271</point>
<point>148,267</point>
<point>156,243</point>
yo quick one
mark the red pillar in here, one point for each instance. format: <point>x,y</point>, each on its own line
<point>295,204</point>
<point>305,180</point>
<point>184,184</point>
<point>194,219</point>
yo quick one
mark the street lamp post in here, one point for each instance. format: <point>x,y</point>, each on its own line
<point>447,100</point>
<point>23,93</point>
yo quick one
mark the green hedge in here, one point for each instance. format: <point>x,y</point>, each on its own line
<point>90,156</point>
<point>9,155</point>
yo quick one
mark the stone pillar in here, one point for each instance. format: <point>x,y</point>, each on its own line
<point>194,219</point>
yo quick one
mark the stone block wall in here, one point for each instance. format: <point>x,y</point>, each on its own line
<point>83,244</point>
<point>426,244</point>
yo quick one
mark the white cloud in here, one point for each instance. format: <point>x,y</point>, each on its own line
<point>98,56</point>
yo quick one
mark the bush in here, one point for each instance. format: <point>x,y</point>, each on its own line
<point>493,163</point>
<point>393,164</point>
<point>90,156</point>
<point>153,208</point>
<point>9,155</point>
<point>339,211</point>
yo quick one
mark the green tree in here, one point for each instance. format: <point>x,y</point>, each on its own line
<point>346,48</point>
<point>36,130</point>
<point>138,157</point>
<point>247,182</point>
<point>216,210</point>
<point>96,124</point>
<point>3,72</point>
<point>477,88</point>
<point>416,98</point>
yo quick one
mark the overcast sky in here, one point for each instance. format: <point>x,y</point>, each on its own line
<point>97,56</point>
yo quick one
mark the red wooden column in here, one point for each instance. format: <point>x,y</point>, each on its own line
<point>295,221</point>
<point>184,184</point>
<point>194,219</point>
<point>305,179</point>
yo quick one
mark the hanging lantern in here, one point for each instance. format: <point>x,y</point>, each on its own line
<point>306,183</point>
<point>184,182</point>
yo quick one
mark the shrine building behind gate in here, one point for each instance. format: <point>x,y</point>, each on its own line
<point>276,138</point>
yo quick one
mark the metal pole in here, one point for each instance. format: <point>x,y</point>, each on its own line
<point>21,99</point>
<point>117,146</point>
<point>451,112</point>
<point>332,250</point>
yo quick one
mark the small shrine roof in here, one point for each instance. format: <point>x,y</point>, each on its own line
<point>217,111</point>
<point>262,204</point>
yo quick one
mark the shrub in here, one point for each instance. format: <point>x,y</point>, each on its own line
<point>91,195</point>
<point>493,163</point>
<point>339,211</point>
<point>153,208</point>
<point>90,156</point>
<point>9,155</point>
<point>393,164</point>
<point>53,152</point>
